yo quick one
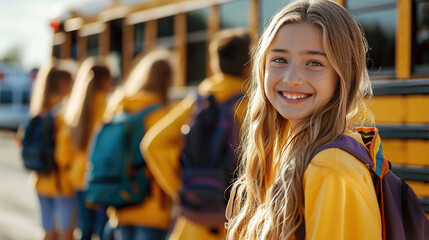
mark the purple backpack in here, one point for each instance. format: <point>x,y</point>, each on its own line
<point>401,212</point>
<point>209,161</point>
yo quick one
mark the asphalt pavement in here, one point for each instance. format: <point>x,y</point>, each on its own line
<point>19,212</point>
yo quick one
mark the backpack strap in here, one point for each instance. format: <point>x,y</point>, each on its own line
<point>48,127</point>
<point>49,121</point>
<point>372,141</point>
<point>352,146</point>
<point>128,131</point>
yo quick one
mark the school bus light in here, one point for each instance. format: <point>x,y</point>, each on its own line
<point>55,24</point>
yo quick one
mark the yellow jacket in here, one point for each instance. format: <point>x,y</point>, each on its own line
<point>80,163</point>
<point>57,183</point>
<point>155,211</point>
<point>162,147</point>
<point>340,200</point>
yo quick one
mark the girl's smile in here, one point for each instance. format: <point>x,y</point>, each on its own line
<point>299,78</point>
<point>294,97</point>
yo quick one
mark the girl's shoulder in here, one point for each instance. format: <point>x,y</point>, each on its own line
<point>140,101</point>
<point>157,115</point>
<point>336,162</point>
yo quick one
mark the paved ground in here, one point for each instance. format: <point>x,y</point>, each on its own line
<point>19,213</point>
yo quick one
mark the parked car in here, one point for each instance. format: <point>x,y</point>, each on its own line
<point>15,90</point>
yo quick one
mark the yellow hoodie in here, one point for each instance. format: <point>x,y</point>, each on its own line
<point>57,183</point>
<point>155,211</point>
<point>80,164</point>
<point>340,200</point>
<point>162,147</point>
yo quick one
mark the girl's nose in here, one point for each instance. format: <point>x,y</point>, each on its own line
<point>292,75</point>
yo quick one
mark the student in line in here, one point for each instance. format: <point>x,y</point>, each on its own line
<point>83,113</point>
<point>308,87</point>
<point>163,143</point>
<point>146,86</point>
<point>54,189</point>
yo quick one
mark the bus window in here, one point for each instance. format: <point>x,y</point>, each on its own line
<point>353,4</point>
<point>197,20</point>
<point>267,10</point>
<point>196,62</point>
<point>92,47</point>
<point>6,96</point>
<point>139,37</point>
<point>115,46</point>
<point>378,19</point>
<point>421,38</point>
<point>166,32</point>
<point>25,97</point>
<point>73,49</point>
<point>196,46</point>
<point>56,51</point>
<point>234,14</point>
<point>116,36</point>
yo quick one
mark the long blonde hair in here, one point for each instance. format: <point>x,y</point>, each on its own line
<point>270,192</point>
<point>78,115</point>
<point>46,83</point>
<point>152,73</point>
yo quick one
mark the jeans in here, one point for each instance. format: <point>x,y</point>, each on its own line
<point>61,208</point>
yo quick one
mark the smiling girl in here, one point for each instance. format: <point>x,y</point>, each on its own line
<point>308,86</point>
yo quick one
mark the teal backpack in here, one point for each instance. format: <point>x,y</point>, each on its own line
<point>117,177</point>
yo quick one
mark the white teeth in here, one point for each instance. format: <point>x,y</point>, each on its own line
<point>294,96</point>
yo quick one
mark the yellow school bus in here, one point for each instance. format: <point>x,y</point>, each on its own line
<point>397,32</point>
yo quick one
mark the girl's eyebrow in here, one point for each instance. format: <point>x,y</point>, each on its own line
<point>309,52</point>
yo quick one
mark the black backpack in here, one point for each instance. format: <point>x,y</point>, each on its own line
<point>38,145</point>
<point>208,161</point>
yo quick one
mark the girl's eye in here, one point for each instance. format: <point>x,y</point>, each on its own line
<point>280,60</point>
<point>314,64</point>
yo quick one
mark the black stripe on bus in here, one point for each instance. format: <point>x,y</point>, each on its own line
<point>400,87</point>
<point>404,131</point>
<point>420,174</point>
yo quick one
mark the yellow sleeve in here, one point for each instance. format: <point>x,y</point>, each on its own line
<point>162,144</point>
<point>340,201</point>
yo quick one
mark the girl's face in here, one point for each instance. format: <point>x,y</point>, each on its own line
<point>299,78</point>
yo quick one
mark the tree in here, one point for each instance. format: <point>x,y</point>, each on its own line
<point>13,54</point>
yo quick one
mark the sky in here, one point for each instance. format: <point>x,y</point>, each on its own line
<point>25,23</point>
